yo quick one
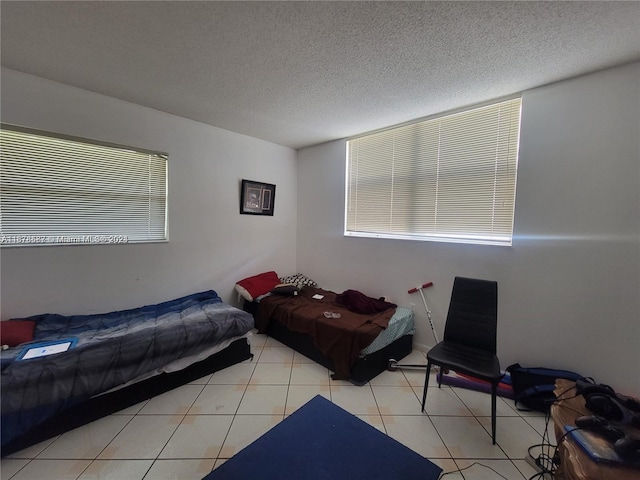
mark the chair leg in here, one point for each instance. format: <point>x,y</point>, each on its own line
<point>426,385</point>
<point>494,391</point>
<point>440,376</point>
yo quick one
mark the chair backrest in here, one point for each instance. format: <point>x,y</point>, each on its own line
<point>473,313</point>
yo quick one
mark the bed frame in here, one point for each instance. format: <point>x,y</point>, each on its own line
<point>103,405</point>
<point>365,368</point>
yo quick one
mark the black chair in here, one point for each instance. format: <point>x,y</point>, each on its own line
<point>469,344</point>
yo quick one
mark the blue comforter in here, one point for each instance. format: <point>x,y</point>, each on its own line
<point>112,349</point>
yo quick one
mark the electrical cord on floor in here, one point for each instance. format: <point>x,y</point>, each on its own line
<point>552,464</point>
<point>460,470</point>
<point>548,462</point>
<point>543,475</point>
<point>545,461</point>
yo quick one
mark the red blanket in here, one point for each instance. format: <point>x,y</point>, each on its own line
<point>339,339</point>
<point>358,302</point>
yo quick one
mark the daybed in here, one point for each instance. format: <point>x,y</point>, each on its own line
<point>118,360</point>
<point>356,346</point>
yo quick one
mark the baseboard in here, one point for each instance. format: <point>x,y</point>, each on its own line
<point>422,348</point>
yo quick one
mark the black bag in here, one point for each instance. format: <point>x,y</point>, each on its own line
<point>533,387</point>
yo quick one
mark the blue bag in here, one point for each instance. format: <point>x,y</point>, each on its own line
<point>533,387</point>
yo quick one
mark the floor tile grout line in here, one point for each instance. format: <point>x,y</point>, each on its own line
<point>516,467</point>
<point>29,460</point>
<point>286,397</point>
<point>149,469</point>
<point>236,414</point>
<point>37,457</point>
<point>375,399</point>
<point>179,424</point>
<point>441,438</point>
<point>476,417</point>
<point>331,391</point>
<point>257,360</point>
<point>109,443</point>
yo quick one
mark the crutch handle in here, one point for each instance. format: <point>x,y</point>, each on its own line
<point>424,285</point>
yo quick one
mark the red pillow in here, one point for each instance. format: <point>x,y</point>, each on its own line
<point>15,332</point>
<point>260,284</point>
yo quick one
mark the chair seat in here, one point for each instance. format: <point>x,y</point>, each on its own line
<point>471,361</point>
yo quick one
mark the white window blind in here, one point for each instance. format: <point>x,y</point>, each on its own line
<point>451,178</point>
<point>57,190</point>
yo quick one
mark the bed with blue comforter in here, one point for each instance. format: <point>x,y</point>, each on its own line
<point>112,350</point>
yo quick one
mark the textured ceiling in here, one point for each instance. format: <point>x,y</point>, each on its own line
<point>302,73</point>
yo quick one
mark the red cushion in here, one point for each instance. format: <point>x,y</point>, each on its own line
<point>15,332</point>
<point>260,284</point>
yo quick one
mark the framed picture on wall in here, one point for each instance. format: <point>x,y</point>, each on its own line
<point>257,198</point>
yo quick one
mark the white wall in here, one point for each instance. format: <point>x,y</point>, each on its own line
<point>211,245</point>
<point>569,287</point>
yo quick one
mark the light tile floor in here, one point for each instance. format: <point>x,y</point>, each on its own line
<point>185,433</point>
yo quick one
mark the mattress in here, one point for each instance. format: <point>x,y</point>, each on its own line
<point>183,363</point>
<point>111,350</point>
<point>400,324</point>
<point>341,336</point>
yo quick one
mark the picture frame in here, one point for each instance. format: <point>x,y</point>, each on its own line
<point>257,198</point>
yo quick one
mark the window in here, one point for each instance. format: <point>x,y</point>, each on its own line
<point>451,178</point>
<point>59,190</point>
